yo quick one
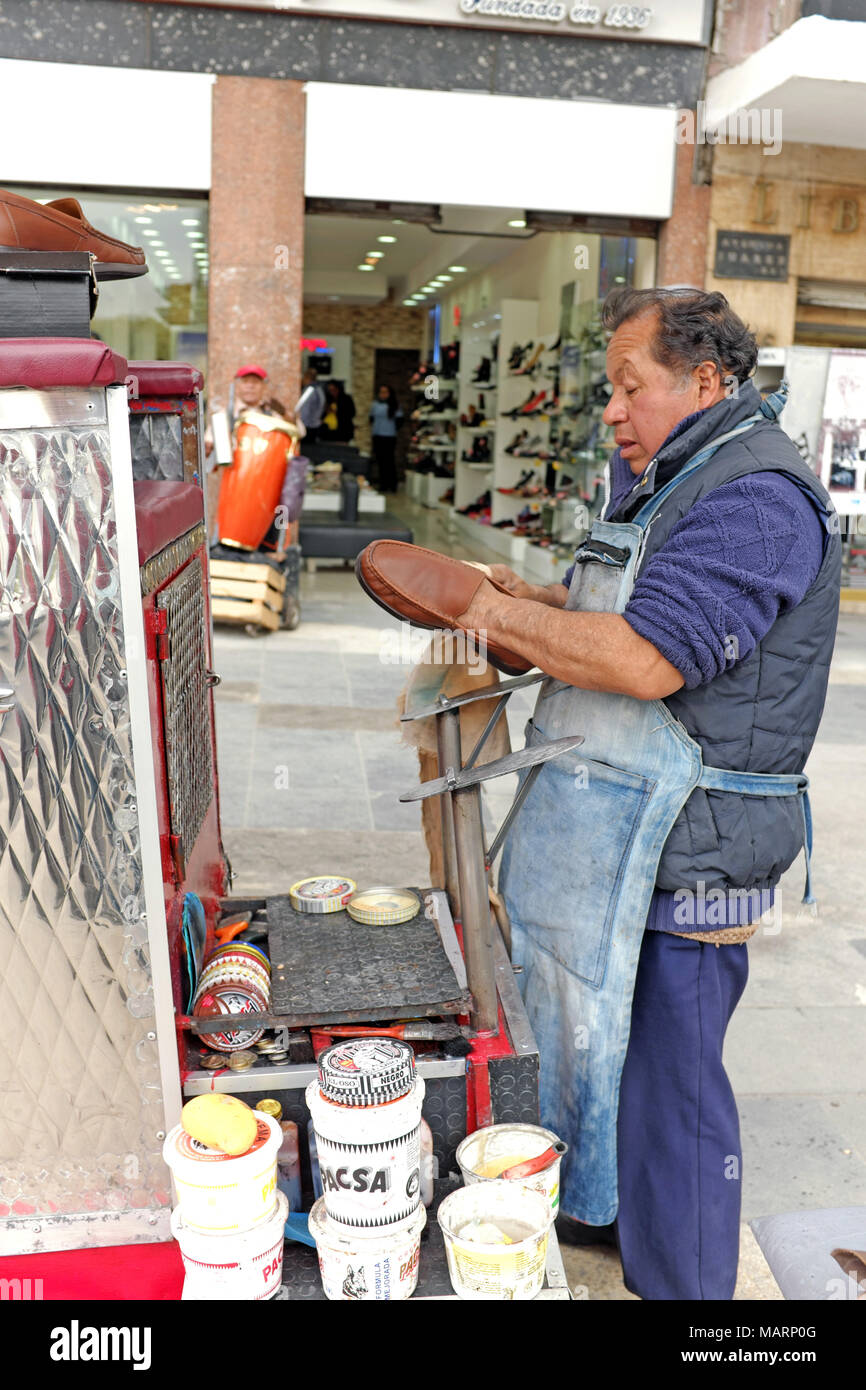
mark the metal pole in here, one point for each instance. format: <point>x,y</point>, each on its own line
<point>449,853</point>
<point>472,876</point>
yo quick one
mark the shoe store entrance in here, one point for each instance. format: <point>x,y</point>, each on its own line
<point>469,344</point>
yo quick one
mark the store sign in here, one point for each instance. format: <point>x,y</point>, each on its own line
<point>751,256</point>
<point>667,21</point>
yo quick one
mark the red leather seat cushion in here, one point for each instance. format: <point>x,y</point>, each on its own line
<point>164,511</point>
<point>166,378</point>
<point>41,363</point>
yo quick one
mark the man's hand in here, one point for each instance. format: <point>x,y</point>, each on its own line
<point>552,594</point>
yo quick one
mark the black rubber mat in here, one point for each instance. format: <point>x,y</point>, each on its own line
<point>328,969</point>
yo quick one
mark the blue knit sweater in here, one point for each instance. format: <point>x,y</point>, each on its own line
<point>743,554</point>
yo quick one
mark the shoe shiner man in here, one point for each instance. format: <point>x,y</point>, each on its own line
<point>690,644</point>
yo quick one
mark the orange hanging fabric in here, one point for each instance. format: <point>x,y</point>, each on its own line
<point>252,483</point>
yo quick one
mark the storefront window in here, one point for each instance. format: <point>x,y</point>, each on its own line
<point>161,315</point>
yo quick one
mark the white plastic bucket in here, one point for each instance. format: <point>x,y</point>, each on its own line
<point>496,1270</point>
<point>369,1159</point>
<point>219,1194</point>
<point>247,1265</point>
<point>358,1268</point>
<point>498,1146</point>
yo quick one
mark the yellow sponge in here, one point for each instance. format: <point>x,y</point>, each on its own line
<point>221,1122</point>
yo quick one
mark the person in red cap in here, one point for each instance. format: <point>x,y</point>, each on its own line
<point>251,393</point>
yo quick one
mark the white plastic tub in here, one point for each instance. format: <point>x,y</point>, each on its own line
<point>363,1269</point>
<point>499,1145</point>
<point>496,1270</point>
<point>369,1159</point>
<point>219,1194</point>
<point>247,1265</point>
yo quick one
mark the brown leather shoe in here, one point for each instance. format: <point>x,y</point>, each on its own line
<point>428,590</point>
<point>26,225</point>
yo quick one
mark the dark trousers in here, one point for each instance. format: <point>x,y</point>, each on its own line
<point>679,1159</point>
<point>384,448</point>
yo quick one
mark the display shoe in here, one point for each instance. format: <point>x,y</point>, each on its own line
<point>526,476</point>
<point>26,225</point>
<point>517,442</point>
<point>428,590</point>
<point>477,505</point>
<point>447,496</point>
<point>482,371</point>
<point>534,404</point>
<point>531,362</point>
<point>519,409</point>
<point>518,357</point>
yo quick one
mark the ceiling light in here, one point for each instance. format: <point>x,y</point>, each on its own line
<point>445,278</point>
<point>365,267</point>
<point>409,303</point>
<point>458,269</point>
<point>142,219</point>
<point>375,255</point>
<point>190,222</point>
<point>518,222</point>
<point>397,222</point>
<point>150,231</point>
<point>158,243</point>
<point>386,238</point>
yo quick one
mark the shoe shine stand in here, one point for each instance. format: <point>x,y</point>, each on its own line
<point>110,823</point>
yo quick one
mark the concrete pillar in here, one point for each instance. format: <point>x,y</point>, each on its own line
<point>256,233</point>
<point>682,257</point>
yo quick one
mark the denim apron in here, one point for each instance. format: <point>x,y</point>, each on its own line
<point>580,861</point>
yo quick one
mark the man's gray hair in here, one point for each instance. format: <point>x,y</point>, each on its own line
<point>693,326</point>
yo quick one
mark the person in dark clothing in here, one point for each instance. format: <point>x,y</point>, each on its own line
<point>385,420</point>
<point>338,421</point>
<point>725,627</point>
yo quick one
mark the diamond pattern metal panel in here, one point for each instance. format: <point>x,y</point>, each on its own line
<point>80,1096</point>
<point>187,721</point>
<point>157,446</point>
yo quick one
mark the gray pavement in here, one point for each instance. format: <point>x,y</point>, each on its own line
<point>311,766</point>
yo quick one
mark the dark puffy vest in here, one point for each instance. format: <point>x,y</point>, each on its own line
<point>762,714</point>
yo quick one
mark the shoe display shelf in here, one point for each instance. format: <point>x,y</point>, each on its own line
<point>427,488</point>
<point>431,439</point>
<point>368,501</point>
<point>478,359</point>
<point>532,384</point>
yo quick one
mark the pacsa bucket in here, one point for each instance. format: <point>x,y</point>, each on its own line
<point>247,1265</point>
<point>356,1268</point>
<point>483,1155</point>
<point>496,1270</point>
<point>217,1193</point>
<point>369,1159</point>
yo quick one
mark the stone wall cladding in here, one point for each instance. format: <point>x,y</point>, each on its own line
<point>377,326</point>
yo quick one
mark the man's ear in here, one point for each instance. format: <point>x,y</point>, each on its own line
<point>710,384</point>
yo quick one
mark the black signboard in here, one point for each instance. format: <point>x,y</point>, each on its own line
<point>751,256</point>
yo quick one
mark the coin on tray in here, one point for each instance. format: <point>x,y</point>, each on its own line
<point>212,1060</point>
<point>241,1061</point>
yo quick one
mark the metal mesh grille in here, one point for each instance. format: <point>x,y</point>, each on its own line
<point>80,1097</point>
<point>187,725</point>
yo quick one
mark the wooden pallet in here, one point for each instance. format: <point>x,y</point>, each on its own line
<point>248,594</point>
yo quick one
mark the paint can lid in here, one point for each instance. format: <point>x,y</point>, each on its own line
<point>383,907</point>
<point>366,1071</point>
<point>327,893</point>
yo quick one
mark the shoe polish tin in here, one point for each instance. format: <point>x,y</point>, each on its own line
<point>383,907</point>
<point>325,894</point>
